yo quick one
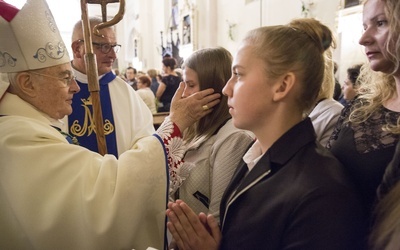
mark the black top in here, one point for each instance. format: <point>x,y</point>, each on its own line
<point>172,84</point>
<point>365,149</point>
<point>391,175</point>
<point>306,201</point>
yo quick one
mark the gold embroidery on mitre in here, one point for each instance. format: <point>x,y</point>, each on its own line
<point>88,125</point>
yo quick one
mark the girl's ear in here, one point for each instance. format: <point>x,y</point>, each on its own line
<point>284,86</point>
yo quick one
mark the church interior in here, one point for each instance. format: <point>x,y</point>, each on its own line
<point>151,28</point>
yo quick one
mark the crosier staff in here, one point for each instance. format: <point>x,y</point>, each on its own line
<point>91,65</point>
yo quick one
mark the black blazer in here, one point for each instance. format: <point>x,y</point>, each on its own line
<point>298,196</point>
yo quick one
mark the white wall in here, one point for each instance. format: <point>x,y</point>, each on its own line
<point>273,12</point>
<point>350,29</point>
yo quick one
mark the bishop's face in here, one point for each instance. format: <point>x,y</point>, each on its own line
<point>53,89</point>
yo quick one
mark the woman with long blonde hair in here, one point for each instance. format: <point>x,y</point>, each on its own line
<point>367,132</point>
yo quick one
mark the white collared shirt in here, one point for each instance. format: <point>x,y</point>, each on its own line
<point>253,155</point>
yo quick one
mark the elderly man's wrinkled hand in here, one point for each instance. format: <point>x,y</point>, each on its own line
<point>186,111</point>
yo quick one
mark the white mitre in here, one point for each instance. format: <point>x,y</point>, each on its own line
<point>30,39</point>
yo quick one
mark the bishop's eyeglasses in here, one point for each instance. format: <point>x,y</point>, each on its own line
<point>66,80</point>
<point>105,47</point>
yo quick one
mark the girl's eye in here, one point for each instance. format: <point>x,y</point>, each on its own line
<point>189,85</point>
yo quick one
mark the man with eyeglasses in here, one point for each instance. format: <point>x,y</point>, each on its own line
<point>125,116</point>
<point>57,195</point>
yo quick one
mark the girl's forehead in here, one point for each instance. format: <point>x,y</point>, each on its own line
<point>245,58</point>
<point>242,53</point>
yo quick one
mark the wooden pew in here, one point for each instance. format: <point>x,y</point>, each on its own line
<point>158,118</point>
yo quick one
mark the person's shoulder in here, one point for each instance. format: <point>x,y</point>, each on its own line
<point>228,129</point>
<point>335,104</point>
<point>27,127</point>
<point>20,121</point>
<point>171,78</point>
<point>356,103</point>
<point>119,80</point>
<point>165,77</point>
<point>352,105</point>
<point>149,92</point>
<point>326,111</point>
<point>177,79</point>
<point>144,94</point>
<point>330,105</point>
<point>321,163</point>
<point>119,83</point>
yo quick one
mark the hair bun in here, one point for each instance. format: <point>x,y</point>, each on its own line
<point>318,32</point>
